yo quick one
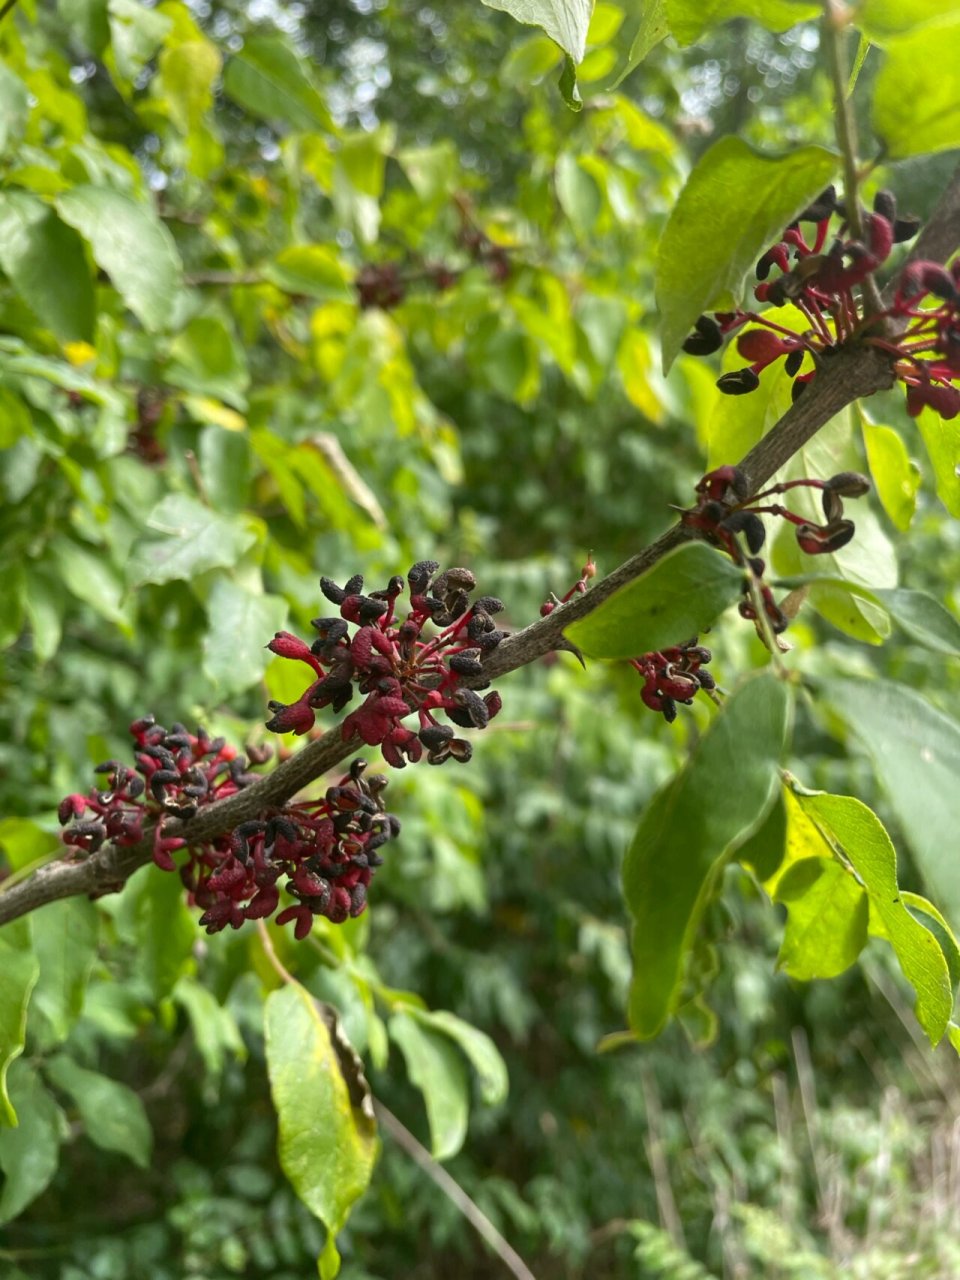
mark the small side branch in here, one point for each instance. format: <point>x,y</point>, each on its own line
<point>454,1192</point>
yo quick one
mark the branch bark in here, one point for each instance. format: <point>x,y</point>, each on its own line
<point>855,372</point>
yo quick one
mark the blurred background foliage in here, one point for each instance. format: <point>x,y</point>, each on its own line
<point>291,290</point>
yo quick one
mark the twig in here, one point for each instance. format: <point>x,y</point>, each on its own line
<point>454,1192</point>
<point>6,7</point>
<point>856,371</point>
<point>836,23</point>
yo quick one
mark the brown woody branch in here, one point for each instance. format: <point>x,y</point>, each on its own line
<point>854,372</point>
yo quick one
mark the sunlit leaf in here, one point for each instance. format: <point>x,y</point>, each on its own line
<point>915,105</point>
<point>327,1143</point>
<point>132,246</point>
<point>858,835</point>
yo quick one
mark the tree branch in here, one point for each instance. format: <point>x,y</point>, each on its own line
<point>854,372</point>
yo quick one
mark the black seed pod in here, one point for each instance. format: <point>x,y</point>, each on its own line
<point>739,382</point>
<point>420,574</point>
<point>475,707</point>
<point>705,339</point>
<point>335,594</point>
<point>793,362</point>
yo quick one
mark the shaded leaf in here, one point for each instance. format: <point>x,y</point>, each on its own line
<point>165,930</point>
<point>689,830</point>
<point>270,80</point>
<point>30,1153</point>
<point>196,539</point>
<point>113,1115</point>
<point>436,1068</point>
<point>915,749</point>
<point>46,264</point>
<point>20,969</point>
<point>484,1056</point>
<point>65,944</point>
<point>240,625</point>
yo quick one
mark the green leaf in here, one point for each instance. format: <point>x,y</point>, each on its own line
<point>270,80</point>
<point>188,73</point>
<point>924,619</point>
<point>529,61</point>
<point>87,20</point>
<point>880,19</point>
<point>827,917</point>
<point>113,1115</point>
<point>65,944</point>
<point>933,919</point>
<point>45,262</point>
<point>164,929</point>
<point>916,109</point>
<point>567,84</point>
<point>579,195</point>
<point>43,605</point>
<point>942,441</point>
<point>136,34</point>
<point>735,204</point>
<point>132,246</point>
<point>240,625</point>
<point>225,467</point>
<point>689,830</point>
<point>688,19</point>
<point>214,1027</point>
<point>682,595</point>
<point>14,110</point>
<point>314,270</point>
<point>23,842</point>
<point>89,575</point>
<point>436,1069</point>
<point>652,29</point>
<point>196,539</point>
<point>565,21</point>
<point>20,969</point>
<point>858,836</point>
<point>915,749</point>
<point>328,1143</point>
<point>206,358</point>
<point>484,1056</point>
<point>895,474</point>
<point>737,423</point>
<point>30,1153</point>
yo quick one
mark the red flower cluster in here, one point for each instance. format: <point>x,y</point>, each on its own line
<point>824,287</point>
<point>327,848</point>
<point>176,773</point>
<point>674,675</point>
<point>928,351</point>
<point>399,669</point>
<point>727,510</point>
